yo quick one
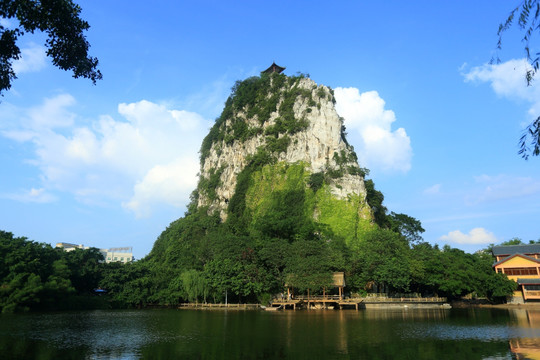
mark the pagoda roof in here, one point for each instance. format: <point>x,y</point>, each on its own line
<point>273,69</point>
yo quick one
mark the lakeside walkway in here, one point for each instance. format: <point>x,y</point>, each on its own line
<point>337,302</point>
<point>326,302</point>
<point>317,302</point>
<point>415,300</point>
<point>219,306</point>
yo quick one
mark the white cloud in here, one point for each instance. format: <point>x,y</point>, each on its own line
<point>33,195</point>
<point>164,184</point>
<point>502,187</point>
<point>25,124</point>
<point>475,236</point>
<point>32,59</point>
<point>147,159</point>
<point>377,146</point>
<point>508,80</point>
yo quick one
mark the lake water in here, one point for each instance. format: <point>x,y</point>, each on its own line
<point>192,334</point>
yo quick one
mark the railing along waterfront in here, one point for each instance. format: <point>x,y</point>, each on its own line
<point>219,306</point>
<point>405,299</point>
<point>372,298</point>
<point>532,294</point>
<point>317,297</point>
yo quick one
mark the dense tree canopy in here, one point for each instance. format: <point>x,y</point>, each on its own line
<point>66,44</point>
<point>219,264</point>
<point>36,276</point>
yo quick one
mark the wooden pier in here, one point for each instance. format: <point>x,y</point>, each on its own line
<point>287,304</point>
<point>318,302</point>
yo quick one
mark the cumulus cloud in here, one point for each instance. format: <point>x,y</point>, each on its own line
<point>164,184</point>
<point>508,80</point>
<point>32,59</point>
<point>475,236</point>
<point>146,159</point>
<point>370,129</point>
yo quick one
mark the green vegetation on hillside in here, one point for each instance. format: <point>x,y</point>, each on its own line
<point>198,259</point>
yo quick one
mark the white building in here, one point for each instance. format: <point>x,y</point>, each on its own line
<point>120,254</point>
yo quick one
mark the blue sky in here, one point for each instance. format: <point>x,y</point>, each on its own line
<point>113,164</point>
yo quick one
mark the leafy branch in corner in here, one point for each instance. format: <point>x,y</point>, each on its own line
<point>527,14</point>
<point>66,43</point>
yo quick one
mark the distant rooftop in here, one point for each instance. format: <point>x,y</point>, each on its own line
<point>516,249</point>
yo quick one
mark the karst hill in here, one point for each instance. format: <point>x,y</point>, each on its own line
<point>280,138</point>
<point>278,182</point>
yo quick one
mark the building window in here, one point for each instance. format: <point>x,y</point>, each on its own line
<point>521,271</point>
<point>115,258</point>
<point>499,270</point>
<point>109,258</point>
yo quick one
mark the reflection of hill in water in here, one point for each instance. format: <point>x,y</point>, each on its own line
<point>411,314</point>
<point>192,334</point>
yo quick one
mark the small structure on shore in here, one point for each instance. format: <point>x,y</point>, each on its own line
<point>520,263</point>
<point>339,282</point>
<point>324,301</point>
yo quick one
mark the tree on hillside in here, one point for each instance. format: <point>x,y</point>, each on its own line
<point>409,227</point>
<point>375,200</point>
<point>512,241</point>
<point>383,260</point>
<point>526,15</point>
<point>309,266</point>
<point>66,44</point>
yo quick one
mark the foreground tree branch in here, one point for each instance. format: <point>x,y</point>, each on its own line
<point>526,16</point>
<point>66,44</point>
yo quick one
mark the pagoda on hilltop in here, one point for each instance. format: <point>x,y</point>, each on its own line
<point>273,69</point>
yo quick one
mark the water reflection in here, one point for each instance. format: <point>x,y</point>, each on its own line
<point>527,344</point>
<point>366,334</point>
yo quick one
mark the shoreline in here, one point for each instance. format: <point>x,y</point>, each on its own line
<point>463,305</point>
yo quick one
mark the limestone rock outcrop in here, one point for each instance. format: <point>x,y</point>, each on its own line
<point>294,119</point>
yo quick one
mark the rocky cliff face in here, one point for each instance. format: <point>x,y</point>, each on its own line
<point>292,120</point>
